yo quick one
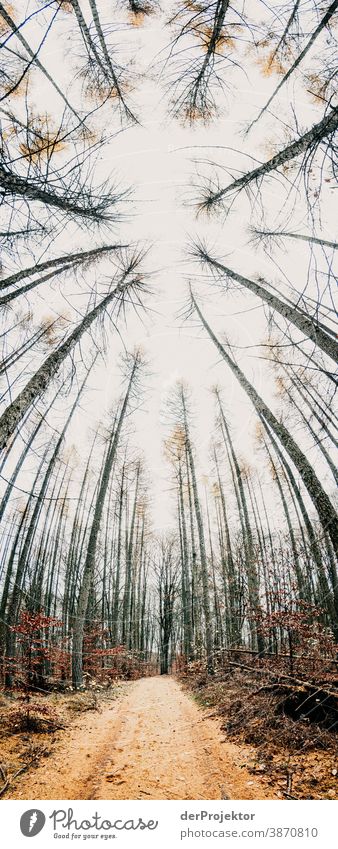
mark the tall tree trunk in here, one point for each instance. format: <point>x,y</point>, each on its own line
<point>324,507</point>
<point>43,376</point>
<point>89,566</point>
<point>201,539</point>
<point>314,35</point>
<point>309,327</point>
<point>313,137</point>
<point>34,59</point>
<point>14,604</point>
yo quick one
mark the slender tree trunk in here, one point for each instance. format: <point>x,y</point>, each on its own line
<point>89,566</point>
<point>309,327</point>
<point>324,507</point>
<point>24,555</point>
<point>43,376</point>
<point>321,26</point>
<point>203,556</point>
<point>311,138</point>
<point>302,237</point>
<point>34,58</point>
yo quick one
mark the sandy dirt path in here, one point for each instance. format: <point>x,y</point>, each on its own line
<point>154,742</point>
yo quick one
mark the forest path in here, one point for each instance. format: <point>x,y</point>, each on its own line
<point>155,742</point>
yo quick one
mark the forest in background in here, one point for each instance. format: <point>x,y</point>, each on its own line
<point>244,576</point>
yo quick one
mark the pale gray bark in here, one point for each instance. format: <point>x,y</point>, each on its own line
<point>324,507</point>
<point>89,566</point>
<point>309,327</point>
<point>313,137</point>
<point>34,58</point>
<point>321,26</point>
<point>201,539</point>
<point>43,376</point>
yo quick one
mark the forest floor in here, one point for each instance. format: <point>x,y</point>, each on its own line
<point>146,739</point>
<point>152,742</point>
<point>293,736</point>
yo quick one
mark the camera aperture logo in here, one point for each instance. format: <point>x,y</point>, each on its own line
<point>32,822</point>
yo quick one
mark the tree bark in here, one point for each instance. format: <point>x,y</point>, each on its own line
<point>307,326</point>
<point>89,566</point>
<point>315,135</point>
<point>42,377</point>
<point>324,507</point>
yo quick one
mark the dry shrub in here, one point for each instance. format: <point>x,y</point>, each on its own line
<point>26,715</point>
<point>79,703</point>
<point>282,717</point>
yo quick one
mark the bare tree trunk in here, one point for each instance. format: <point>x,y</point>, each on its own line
<point>34,58</point>
<point>309,327</point>
<point>321,26</point>
<point>203,556</point>
<point>43,376</point>
<point>324,507</point>
<point>14,604</point>
<point>89,566</point>
<point>313,137</point>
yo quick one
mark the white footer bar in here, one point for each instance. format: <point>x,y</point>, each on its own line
<point>147,824</point>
